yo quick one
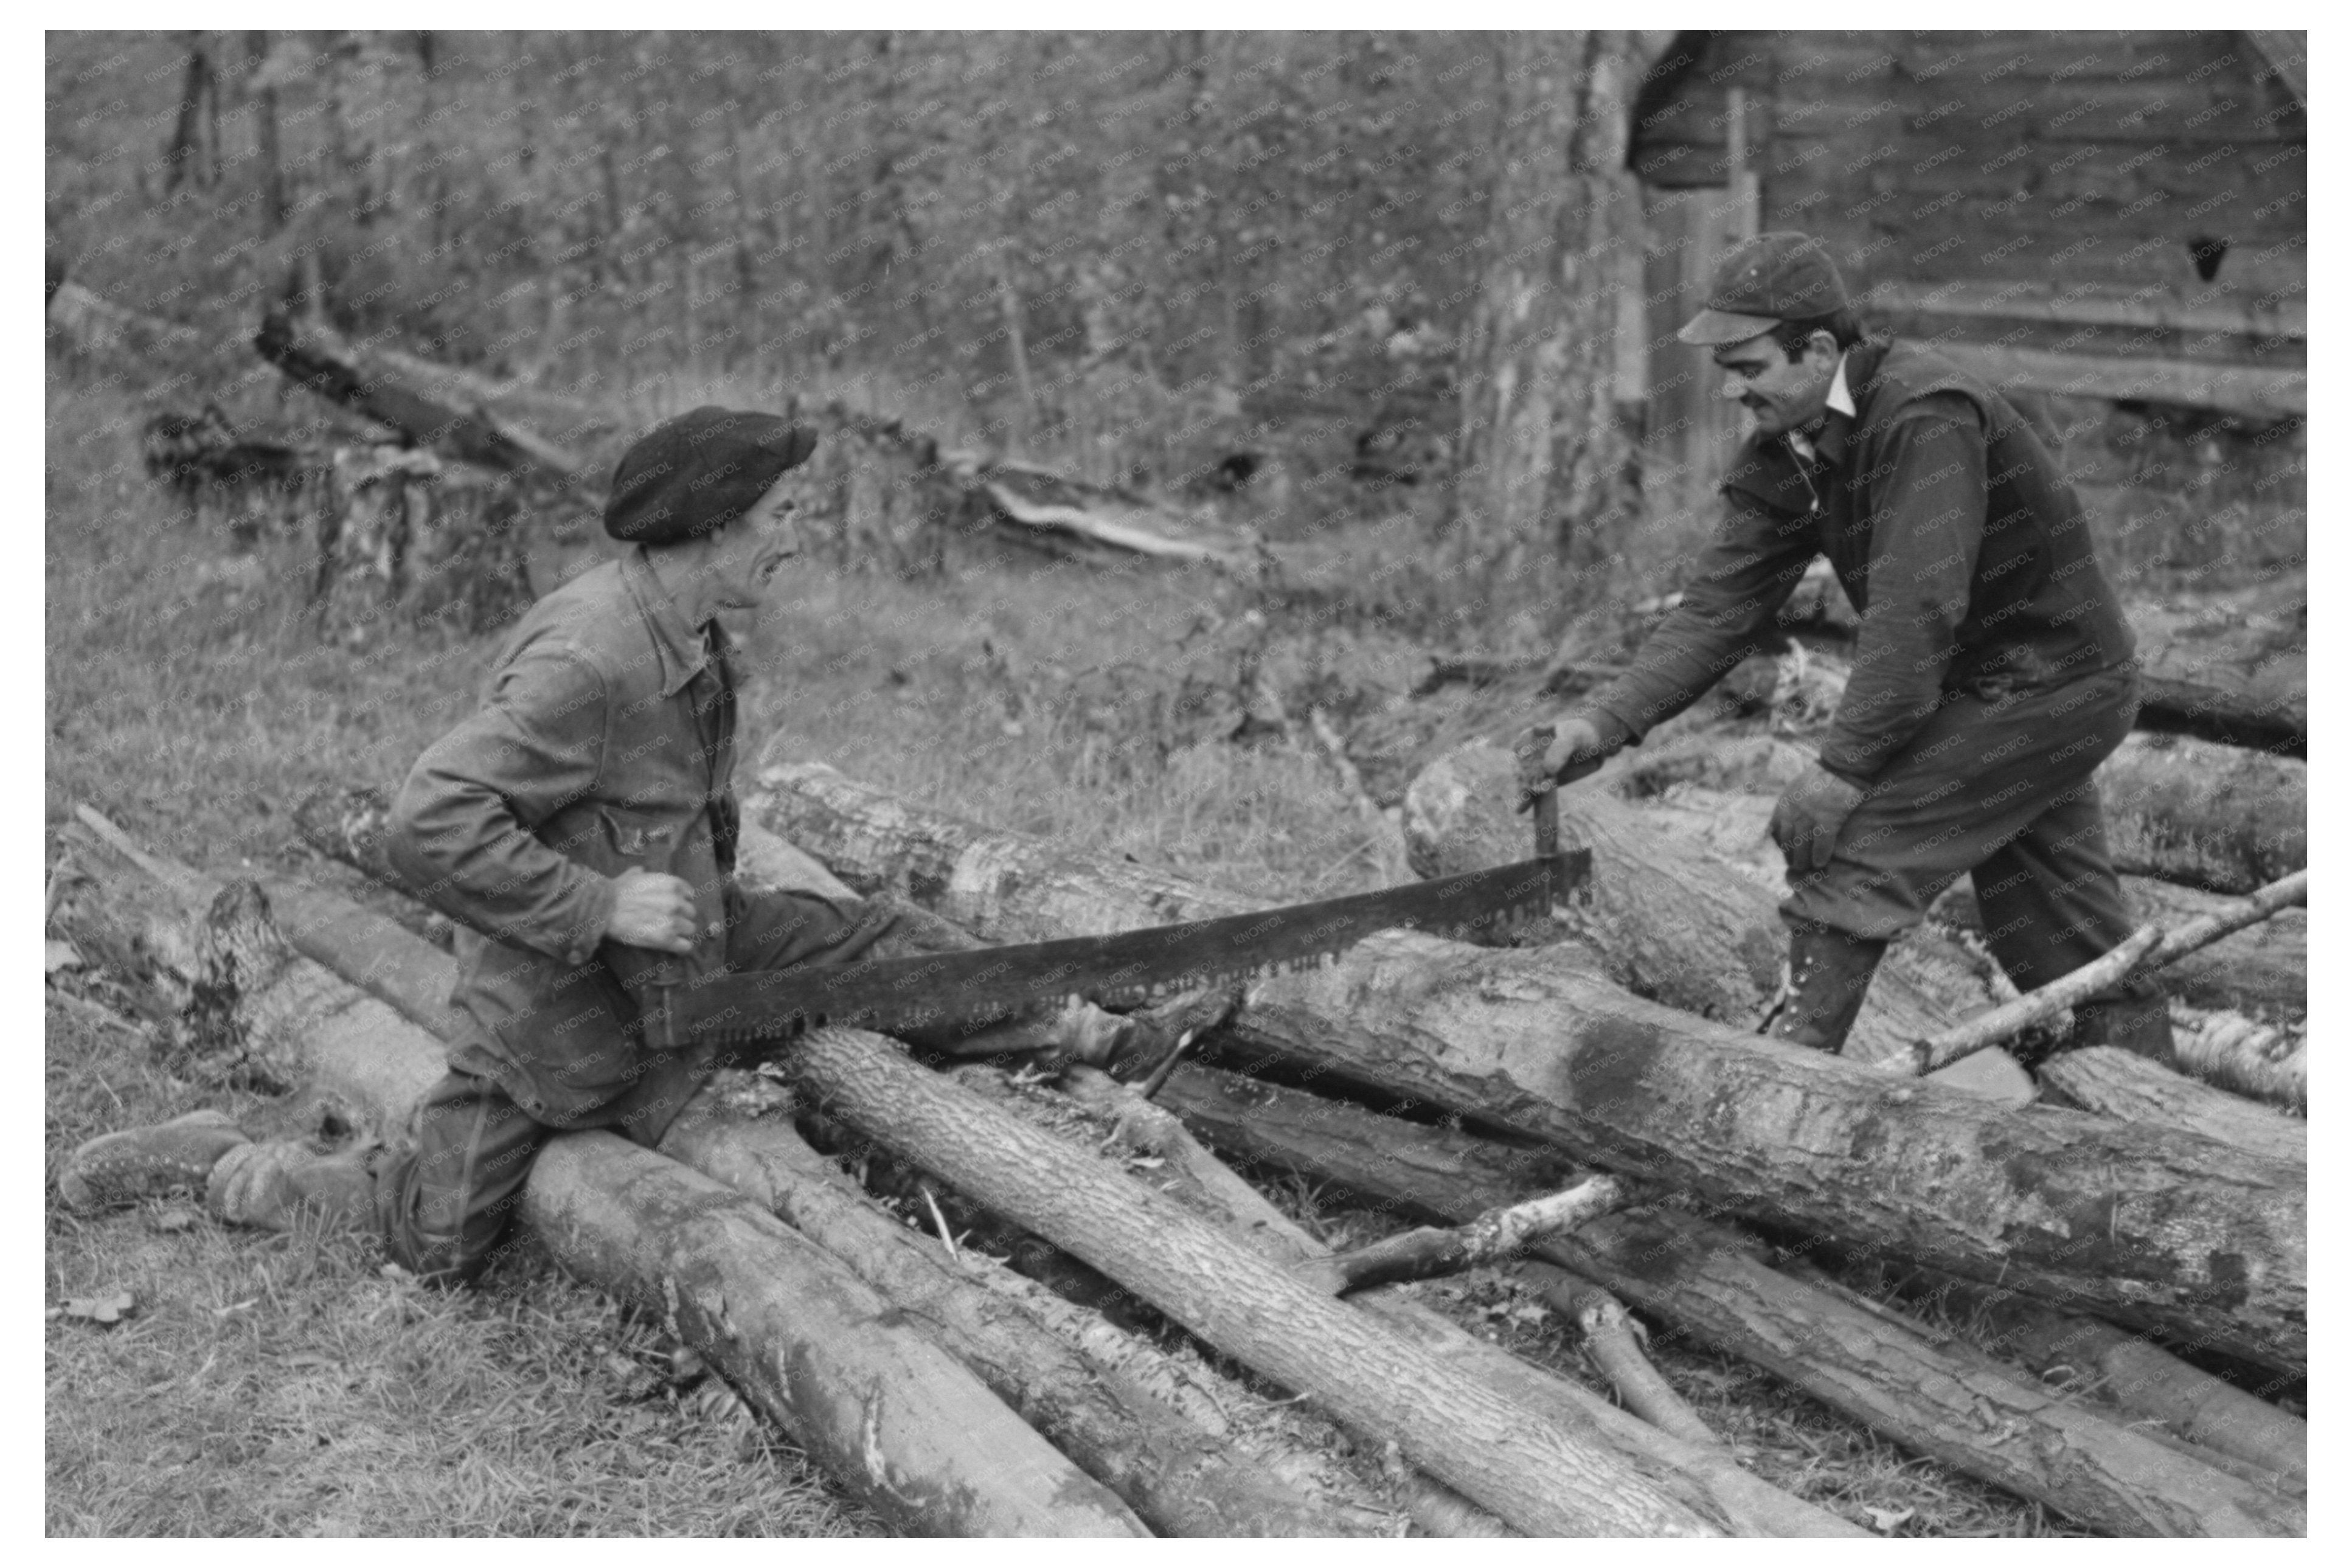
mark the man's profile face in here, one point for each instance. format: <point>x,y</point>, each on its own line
<point>746,555</point>
<point>1781,394</point>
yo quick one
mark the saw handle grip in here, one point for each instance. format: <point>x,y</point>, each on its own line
<point>1547,800</point>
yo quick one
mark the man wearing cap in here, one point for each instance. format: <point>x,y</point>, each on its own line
<point>1991,675</point>
<point>581,829</point>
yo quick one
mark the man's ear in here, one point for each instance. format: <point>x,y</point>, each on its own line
<point>1824,343</point>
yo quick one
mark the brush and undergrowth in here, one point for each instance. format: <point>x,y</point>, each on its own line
<point>268,1385</point>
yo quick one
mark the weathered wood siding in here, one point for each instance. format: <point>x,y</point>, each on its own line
<point>2114,223</point>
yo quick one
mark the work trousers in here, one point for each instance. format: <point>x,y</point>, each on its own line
<point>445,1194</point>
<point>2000,786</point>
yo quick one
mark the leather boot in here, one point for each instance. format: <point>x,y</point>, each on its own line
<point>147,1161</point>
<point>1828,975</point>
<point>271,1186</point>
<point>2140,1022</point>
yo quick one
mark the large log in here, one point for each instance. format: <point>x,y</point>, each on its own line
<point>1684,904</point>
<point>2164,1230</point>
<point>892,1417</point>
<point>879,1406</point>
<point>317,357</point>
<point>2229,668</point>
<point>2112,1082</point>
<point>1963,1409</point>
<point>1540,1478</point>
<point>1088,1393</point>
<point>2141,1378</point>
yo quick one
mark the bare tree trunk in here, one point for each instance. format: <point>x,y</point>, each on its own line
<point>2111,1083</point>
<point>274,206</point>
<point>193,152</point>
<point>1539,449</point>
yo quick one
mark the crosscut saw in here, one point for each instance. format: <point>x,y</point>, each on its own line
<point>1128,967</point>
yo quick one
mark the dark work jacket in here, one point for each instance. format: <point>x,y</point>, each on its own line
<point>1952,529</point>
<point>605,741</point>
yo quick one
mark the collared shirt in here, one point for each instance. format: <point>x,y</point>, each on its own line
<point>1841,401</point>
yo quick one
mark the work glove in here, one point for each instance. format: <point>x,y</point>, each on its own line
<point>1809,814</point>
<point>1579,745</point>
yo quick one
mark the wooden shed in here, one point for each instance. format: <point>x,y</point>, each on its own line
<point>2113,223</point>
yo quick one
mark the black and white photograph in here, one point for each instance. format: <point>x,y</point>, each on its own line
<point>1028,777</point>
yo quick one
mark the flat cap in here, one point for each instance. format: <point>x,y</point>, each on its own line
<point>1778,276</point>
<point>700,471</point>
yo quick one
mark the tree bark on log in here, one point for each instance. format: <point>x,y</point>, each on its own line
<point>1183,1478</point>
<point>2245,1057</point>
<point>1700,1474</point>
<point>2229,669</point>
<point>1539,1476</point>
<point>318,358</point>
<point>2107,1081</point>
<point>2142,1379</point>
<point>879,1406</point>
<point>1683,906</point>
<point>2164,1230</point>
<point>1962,1409</point>
<point>897,1422</point>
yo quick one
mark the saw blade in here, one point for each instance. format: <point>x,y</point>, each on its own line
<point>1127,967</point>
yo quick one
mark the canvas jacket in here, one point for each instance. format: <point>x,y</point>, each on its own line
<point>605,741</point>
<point>1952,529</point>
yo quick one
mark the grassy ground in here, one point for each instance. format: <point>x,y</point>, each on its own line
<point>287,1385</point>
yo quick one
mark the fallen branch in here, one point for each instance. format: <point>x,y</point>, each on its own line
<point>1495,1235</point>
<point>2146,949</point>
<point>1611,1339</point>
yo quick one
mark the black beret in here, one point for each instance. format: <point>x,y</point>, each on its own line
<point>700,471</point>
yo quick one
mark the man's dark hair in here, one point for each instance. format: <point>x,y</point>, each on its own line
<point>1843,326</point>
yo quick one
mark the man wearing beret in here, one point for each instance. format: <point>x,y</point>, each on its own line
<point>581,828</point>
<point>1993,672</point>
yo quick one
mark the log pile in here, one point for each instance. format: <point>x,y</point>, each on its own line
<point>1634,1151</point>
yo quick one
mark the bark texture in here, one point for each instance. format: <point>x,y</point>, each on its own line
<point>1700,1474</point>
<point>2162,1229</point>
<point>2144,1379</point>
<point>2111,1083</point>
<point>1928,1393</point>
<point>1087,1393</point>
<point>1537,1476</point>
<point>1685,896</point>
